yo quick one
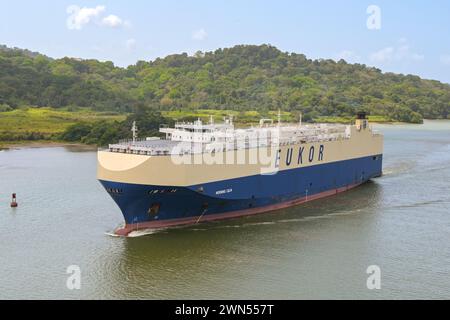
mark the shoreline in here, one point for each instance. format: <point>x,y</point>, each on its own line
<point>18,145</point>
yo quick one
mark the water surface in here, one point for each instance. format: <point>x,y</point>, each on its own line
<point>400,222</point>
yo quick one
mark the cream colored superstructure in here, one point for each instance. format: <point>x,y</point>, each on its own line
<point>166,170</point>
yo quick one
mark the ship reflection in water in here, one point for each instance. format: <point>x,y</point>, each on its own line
<point>320,249</point>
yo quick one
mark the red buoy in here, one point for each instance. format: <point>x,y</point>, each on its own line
<point>14,203</point>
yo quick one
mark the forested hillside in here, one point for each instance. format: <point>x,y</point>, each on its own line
<point>240,78</point>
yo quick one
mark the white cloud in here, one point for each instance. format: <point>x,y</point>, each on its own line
<point>199,35</point>
<point>400,53</point>
<point>79,17</point>
<point>382,55</point>
<point>112,21</point>
<point>445,59</point>
<point>348,55</point>
<point>131,44</point>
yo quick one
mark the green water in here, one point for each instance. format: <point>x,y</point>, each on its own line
<point>400,222</point>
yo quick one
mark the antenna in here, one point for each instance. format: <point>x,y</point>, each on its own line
<point>211,119</point>
<point>300,120</point>
<point>134,129</point>
<point>279,117</point>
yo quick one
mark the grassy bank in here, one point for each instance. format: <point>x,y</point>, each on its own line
<point>43,124</point>
<point>6,145</point>
<point>378,119</point>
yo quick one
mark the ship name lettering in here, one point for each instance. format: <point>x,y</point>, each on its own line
<point>300,155</point>
<point>311,154</point>
<point>277,159</point>
<point>321,152</point>
<point>289,156</point>
<point>224,191</point>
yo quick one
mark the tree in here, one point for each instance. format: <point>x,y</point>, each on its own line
<point>243,77</point>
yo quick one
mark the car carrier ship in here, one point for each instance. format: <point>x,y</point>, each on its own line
<point>206,171</point>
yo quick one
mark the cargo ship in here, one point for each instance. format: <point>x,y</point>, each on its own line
<point>212,171</point>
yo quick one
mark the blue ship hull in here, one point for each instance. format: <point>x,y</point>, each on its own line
<point>159,206</point>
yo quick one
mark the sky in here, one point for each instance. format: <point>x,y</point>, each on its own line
<point>402,36</point>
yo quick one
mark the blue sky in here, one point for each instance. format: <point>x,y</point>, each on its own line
<point>413,38</point>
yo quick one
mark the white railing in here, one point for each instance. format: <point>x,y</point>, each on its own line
<point>237,143</point>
